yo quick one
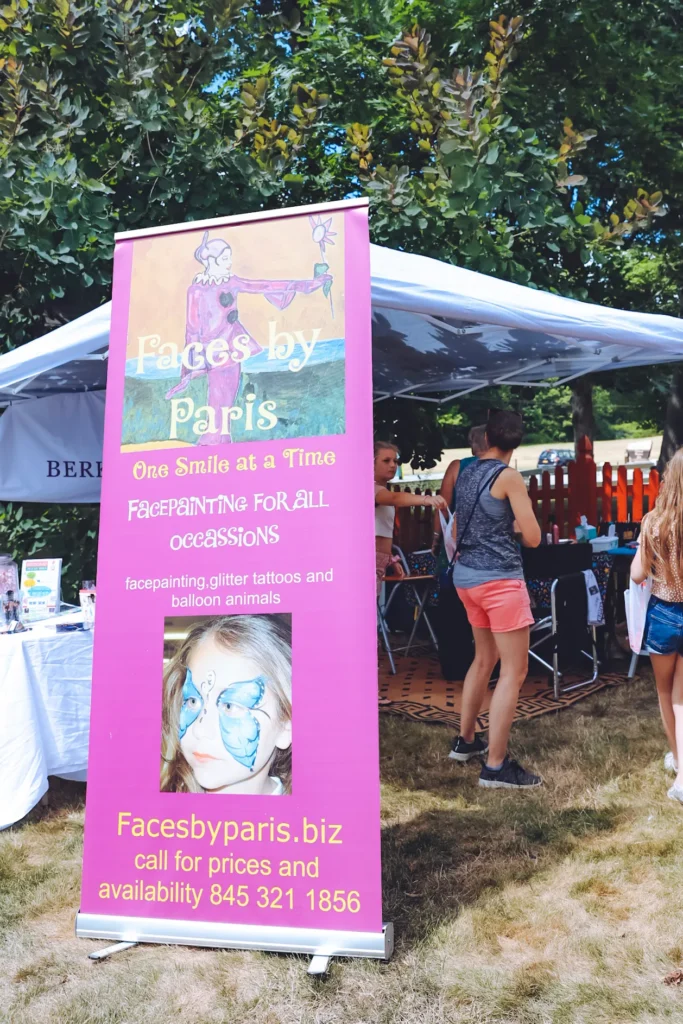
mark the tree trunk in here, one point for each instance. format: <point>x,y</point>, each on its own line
<point>673,425</point>
<point>582,408</point>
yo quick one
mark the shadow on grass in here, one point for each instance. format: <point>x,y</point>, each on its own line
<point>445,858</point>
<point>442,861</point>
<point>438,859</point>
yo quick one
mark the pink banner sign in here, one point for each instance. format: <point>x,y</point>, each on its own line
<point>235,644</point>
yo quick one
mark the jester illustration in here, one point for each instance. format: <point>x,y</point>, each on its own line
<point>212,313</point>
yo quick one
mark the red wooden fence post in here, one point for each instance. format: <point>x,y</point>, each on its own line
<point>652,489</point>
<point>533,494</point>
<point>606,512</point>
<point>545,501</point>
<point>622,495</point>
<point>559,500</point>
<point>572,515</point>
<point>637,505</point>
<point>586,501</point>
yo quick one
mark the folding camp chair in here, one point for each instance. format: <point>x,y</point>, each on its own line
<point>564,621</point>
<point>571,633</point>
<point>633,664</point>
<point>414,582</point>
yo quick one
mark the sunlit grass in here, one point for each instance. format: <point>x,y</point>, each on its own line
<point>564,905</point>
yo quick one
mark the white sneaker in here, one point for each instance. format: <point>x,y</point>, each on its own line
<point>676,793</point>
<point>669,762</point>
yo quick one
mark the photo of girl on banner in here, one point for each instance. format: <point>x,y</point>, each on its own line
<point>227,705</point>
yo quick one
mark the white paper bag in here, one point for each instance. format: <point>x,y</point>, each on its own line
<point>636,600</point>
<point>447,531</point>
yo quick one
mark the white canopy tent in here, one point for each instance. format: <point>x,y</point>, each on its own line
<point>439,332</point>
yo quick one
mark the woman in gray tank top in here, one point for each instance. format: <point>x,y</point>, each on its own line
<point>488,549</point>
<point>489,499</point>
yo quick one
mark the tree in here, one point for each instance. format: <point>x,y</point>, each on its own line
<point>618,72</point>
<point>473,132</point>
<point>118,114</point>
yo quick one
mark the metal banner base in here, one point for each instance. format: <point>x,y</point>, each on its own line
<point>128,931</point>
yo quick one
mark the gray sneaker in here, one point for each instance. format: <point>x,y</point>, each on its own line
<point>463,751</point>
<point>676,793</point>
<point>669,763</point>
<point>510,775</point>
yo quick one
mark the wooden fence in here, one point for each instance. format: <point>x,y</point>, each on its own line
<point>561,497</point>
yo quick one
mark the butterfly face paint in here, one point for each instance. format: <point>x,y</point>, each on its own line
<point>191,706</point>
<point>231,721</point>
<point>240,728</point>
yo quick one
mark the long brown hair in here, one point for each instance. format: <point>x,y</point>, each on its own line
<point>661,538</point>
<point>267,640</point>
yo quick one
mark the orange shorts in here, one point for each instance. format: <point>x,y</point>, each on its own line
<point>501,605</point>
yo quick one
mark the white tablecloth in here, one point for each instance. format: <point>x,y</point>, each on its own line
<point>44,713</point>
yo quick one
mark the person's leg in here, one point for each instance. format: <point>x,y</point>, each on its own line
<point>664,666</point>
<point>513,649</point>
<point>477,681</point>
<point>677,702</point>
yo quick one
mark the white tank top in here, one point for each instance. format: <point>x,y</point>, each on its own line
<point>384,517</point>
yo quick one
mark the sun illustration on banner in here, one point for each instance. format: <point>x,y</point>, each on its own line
<point>322,235</point>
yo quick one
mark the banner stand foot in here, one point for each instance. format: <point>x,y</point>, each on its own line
<point>319,965</point>
<point>118,947</point>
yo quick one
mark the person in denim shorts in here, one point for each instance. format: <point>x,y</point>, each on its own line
<point>660,556</point>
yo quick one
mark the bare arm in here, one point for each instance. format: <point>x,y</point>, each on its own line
<point>401,499</point>
<point>515,490</point>
<point>637,573</point>
<point>447,487</point>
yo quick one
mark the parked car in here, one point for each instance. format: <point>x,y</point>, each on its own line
<point>556,457</point>
<point>638,451</point>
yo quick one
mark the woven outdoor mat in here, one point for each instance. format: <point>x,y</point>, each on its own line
<point>419,691</point>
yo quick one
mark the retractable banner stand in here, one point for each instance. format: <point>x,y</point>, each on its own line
<point>235,646</point>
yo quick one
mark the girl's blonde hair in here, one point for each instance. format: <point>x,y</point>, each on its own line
<point>266,640</point>
<point>380,445</point>
<point>661,538</point>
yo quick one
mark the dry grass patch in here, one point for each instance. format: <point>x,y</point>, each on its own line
<point>561,906</point>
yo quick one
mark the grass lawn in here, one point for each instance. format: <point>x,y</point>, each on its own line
<point>564,905</point>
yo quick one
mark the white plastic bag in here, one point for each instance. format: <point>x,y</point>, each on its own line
<point>636,600</point>
<point>447,531</point>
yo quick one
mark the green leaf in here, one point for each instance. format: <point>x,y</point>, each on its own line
<point>461,177</point>
<point>492,155</point>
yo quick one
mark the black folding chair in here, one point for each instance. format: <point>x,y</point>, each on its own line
<point>564,622</point>
<point>571,633</point>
